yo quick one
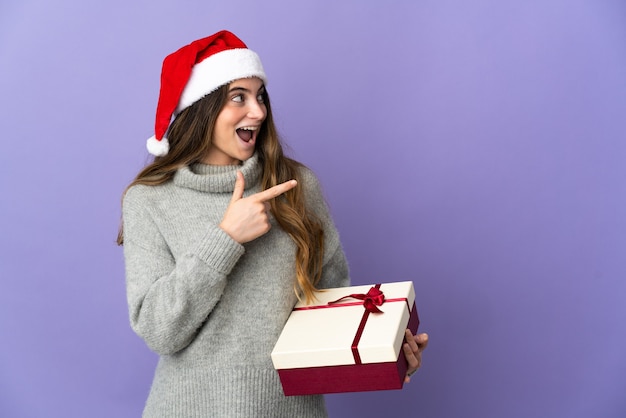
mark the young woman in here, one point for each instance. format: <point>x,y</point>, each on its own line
<point>222,233</point>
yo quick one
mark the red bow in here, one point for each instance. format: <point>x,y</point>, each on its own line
<point>373,298</point>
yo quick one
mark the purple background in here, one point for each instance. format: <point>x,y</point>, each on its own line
<point>474,147</point>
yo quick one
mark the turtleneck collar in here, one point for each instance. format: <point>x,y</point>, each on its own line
<point>218,178</point>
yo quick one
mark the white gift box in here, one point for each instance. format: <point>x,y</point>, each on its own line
<point>339,343</point>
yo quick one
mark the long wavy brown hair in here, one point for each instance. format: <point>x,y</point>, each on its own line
<point>190,136</point>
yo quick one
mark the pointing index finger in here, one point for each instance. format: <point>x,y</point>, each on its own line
<point>275,191</point>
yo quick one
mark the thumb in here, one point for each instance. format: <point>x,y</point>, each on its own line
<point>240,185</point>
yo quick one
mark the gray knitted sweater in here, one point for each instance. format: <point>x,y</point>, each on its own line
<point>209,306</point>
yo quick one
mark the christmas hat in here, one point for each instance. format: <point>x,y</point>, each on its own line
<point>196,70</point>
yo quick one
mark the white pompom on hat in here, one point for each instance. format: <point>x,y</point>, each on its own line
<point>196,70</point>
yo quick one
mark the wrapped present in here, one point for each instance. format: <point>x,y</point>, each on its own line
<point>348,340</point>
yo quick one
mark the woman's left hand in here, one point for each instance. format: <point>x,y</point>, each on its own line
<point>413,348</point>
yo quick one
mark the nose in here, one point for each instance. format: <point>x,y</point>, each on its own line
<point>256,110</point>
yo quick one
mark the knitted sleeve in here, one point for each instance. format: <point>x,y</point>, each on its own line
<point>169,299</point>
<point>335,272</point>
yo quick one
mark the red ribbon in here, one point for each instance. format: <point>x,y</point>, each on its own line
<point>373,298</point>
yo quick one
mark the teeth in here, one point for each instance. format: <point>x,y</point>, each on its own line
<point>249,128</point>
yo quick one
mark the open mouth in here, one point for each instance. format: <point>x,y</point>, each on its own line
<point>246,133</point>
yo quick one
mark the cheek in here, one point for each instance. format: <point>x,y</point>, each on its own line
<point>220,134</point>
<point>224,124</point>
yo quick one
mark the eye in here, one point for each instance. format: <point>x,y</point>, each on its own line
<point>261,98</point>
<point>238,98</point>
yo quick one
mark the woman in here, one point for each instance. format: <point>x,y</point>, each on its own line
<point>222,233</point>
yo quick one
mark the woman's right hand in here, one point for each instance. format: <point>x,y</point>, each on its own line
<point>247,218</point>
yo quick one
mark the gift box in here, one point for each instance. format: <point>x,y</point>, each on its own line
<point>348,340</point>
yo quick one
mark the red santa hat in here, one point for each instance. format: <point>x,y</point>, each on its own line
<point>196,70</point>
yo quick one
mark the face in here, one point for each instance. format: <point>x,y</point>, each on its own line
<point>238,123</point>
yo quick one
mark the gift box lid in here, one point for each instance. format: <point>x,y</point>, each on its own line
<point>323,333</point>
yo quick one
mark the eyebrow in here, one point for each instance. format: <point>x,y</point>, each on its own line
<point>245,90</point>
